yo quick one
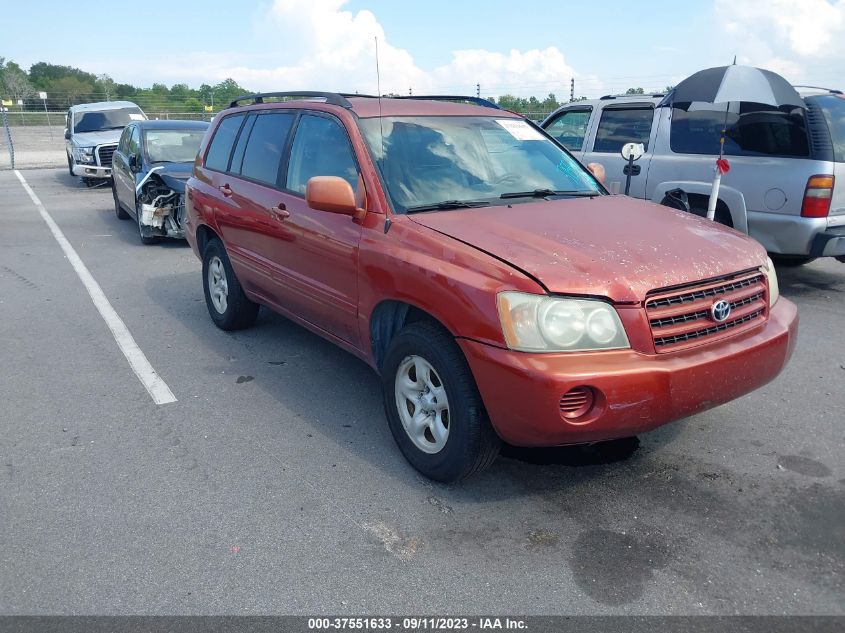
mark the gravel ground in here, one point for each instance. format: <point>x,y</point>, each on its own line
<point>35,147</point>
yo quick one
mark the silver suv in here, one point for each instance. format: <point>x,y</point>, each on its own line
<point>92,131</point>
<point>786,185</point>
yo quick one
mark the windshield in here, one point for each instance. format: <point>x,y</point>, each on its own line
<point>833,107</point>
<point>426,160</point>
<point>106,119</point>
<point>172,146</point>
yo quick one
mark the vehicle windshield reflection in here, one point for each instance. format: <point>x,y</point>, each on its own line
<point>429,159</point>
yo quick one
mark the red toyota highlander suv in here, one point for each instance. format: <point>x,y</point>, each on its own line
<point>490,280</point>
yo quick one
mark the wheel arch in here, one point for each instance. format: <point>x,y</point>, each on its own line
<point>730,199</point>
<point>387,318</point>
<point>204,235</point>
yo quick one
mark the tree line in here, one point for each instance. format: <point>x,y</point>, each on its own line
<point>66,86</point>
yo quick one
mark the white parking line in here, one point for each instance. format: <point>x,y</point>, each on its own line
<point>153,383</point>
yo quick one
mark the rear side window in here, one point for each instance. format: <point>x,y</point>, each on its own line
<point>263,154</point>
<point>570,128</point>
<point>320,148</point>
<point>752,130</point>
<point>220,149</point>
<point>833,107</point>
<point>619,126</point>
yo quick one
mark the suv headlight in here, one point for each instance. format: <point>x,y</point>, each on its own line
<point>539,323</point>
<point>772,276</point>
<point>84,154</point>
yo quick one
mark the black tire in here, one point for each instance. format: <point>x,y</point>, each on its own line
<point>791,260</point>
<point>472,444</point>
<point>70,165</point>
<point>91,182</point>
<point>146,239</point>
<point>118,210</point>
<point>240,312</point>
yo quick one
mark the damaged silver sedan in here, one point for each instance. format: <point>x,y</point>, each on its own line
<point>149,170</point>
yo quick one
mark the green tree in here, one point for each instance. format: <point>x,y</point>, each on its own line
<point>634,91</point>
<point>70,90</point>
<point>14,83</point>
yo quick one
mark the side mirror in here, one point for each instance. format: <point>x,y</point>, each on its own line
<point>332,194</point>
<point>67,135</point>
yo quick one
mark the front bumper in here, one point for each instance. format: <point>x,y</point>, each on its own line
<point>637,392</point>
<point>796,235</point>
<point>91,171</point>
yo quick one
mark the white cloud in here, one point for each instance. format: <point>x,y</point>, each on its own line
<point>318,44</point>
<point>800,39</point>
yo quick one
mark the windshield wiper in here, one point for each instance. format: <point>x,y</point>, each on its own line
<point>447,204</point>
<point>545,193</point>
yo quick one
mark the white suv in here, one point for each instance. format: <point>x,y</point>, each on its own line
<point>92,131</point>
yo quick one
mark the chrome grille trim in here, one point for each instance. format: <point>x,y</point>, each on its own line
<point>703,294</point>
<point>680,318</point>
<point>105,154</point>
<point>681,338</point>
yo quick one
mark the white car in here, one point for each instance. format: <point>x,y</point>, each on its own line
<point>92,131</point>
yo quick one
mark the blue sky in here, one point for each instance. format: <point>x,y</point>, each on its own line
<point>437,45</point>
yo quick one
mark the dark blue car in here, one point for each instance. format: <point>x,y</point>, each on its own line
<point>149,169</point>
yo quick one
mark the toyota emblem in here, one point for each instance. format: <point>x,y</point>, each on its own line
<point>720,310</point>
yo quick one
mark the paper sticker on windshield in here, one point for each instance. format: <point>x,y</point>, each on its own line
<point>136,117</point>
<point>520,130</point>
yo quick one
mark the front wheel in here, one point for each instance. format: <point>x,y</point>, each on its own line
<point>70,165</point>
<point>433,407</point>
<point>228,305</point>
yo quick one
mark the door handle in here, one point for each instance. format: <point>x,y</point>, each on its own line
<point>279,212</point>
<point>226,190</point>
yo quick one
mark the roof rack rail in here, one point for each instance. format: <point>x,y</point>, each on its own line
<point>479,101</point>
<point>332,98</point>
<point>627,94</point>
<point>831,90</point>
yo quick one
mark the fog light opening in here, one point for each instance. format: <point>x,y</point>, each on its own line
<point>577,402</point>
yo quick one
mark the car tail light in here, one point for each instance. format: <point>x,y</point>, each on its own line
<point>817,197</point>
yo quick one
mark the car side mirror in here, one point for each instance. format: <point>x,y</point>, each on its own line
<point>332,194</point>
<point>67,135</point>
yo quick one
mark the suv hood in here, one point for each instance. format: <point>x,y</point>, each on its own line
<point>608,246</point>
<point>90,139</point>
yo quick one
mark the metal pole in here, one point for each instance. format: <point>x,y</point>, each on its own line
<point>629,171</point>
<point>49,127</point>
<point>8,135</point>
<point>572,90</point>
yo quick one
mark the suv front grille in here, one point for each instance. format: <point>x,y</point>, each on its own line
<point>681,318</point>
<point>104,155</point>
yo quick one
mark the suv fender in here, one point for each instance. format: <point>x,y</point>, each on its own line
<point>732,198</point>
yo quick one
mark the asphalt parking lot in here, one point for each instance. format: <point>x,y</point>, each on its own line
<point>272,484</point>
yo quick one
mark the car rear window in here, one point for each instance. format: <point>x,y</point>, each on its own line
<point>220,149</point>
<point>619,126</point>
<point>833,107</point>
<point>263,154</point>
<point>752,130</point>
